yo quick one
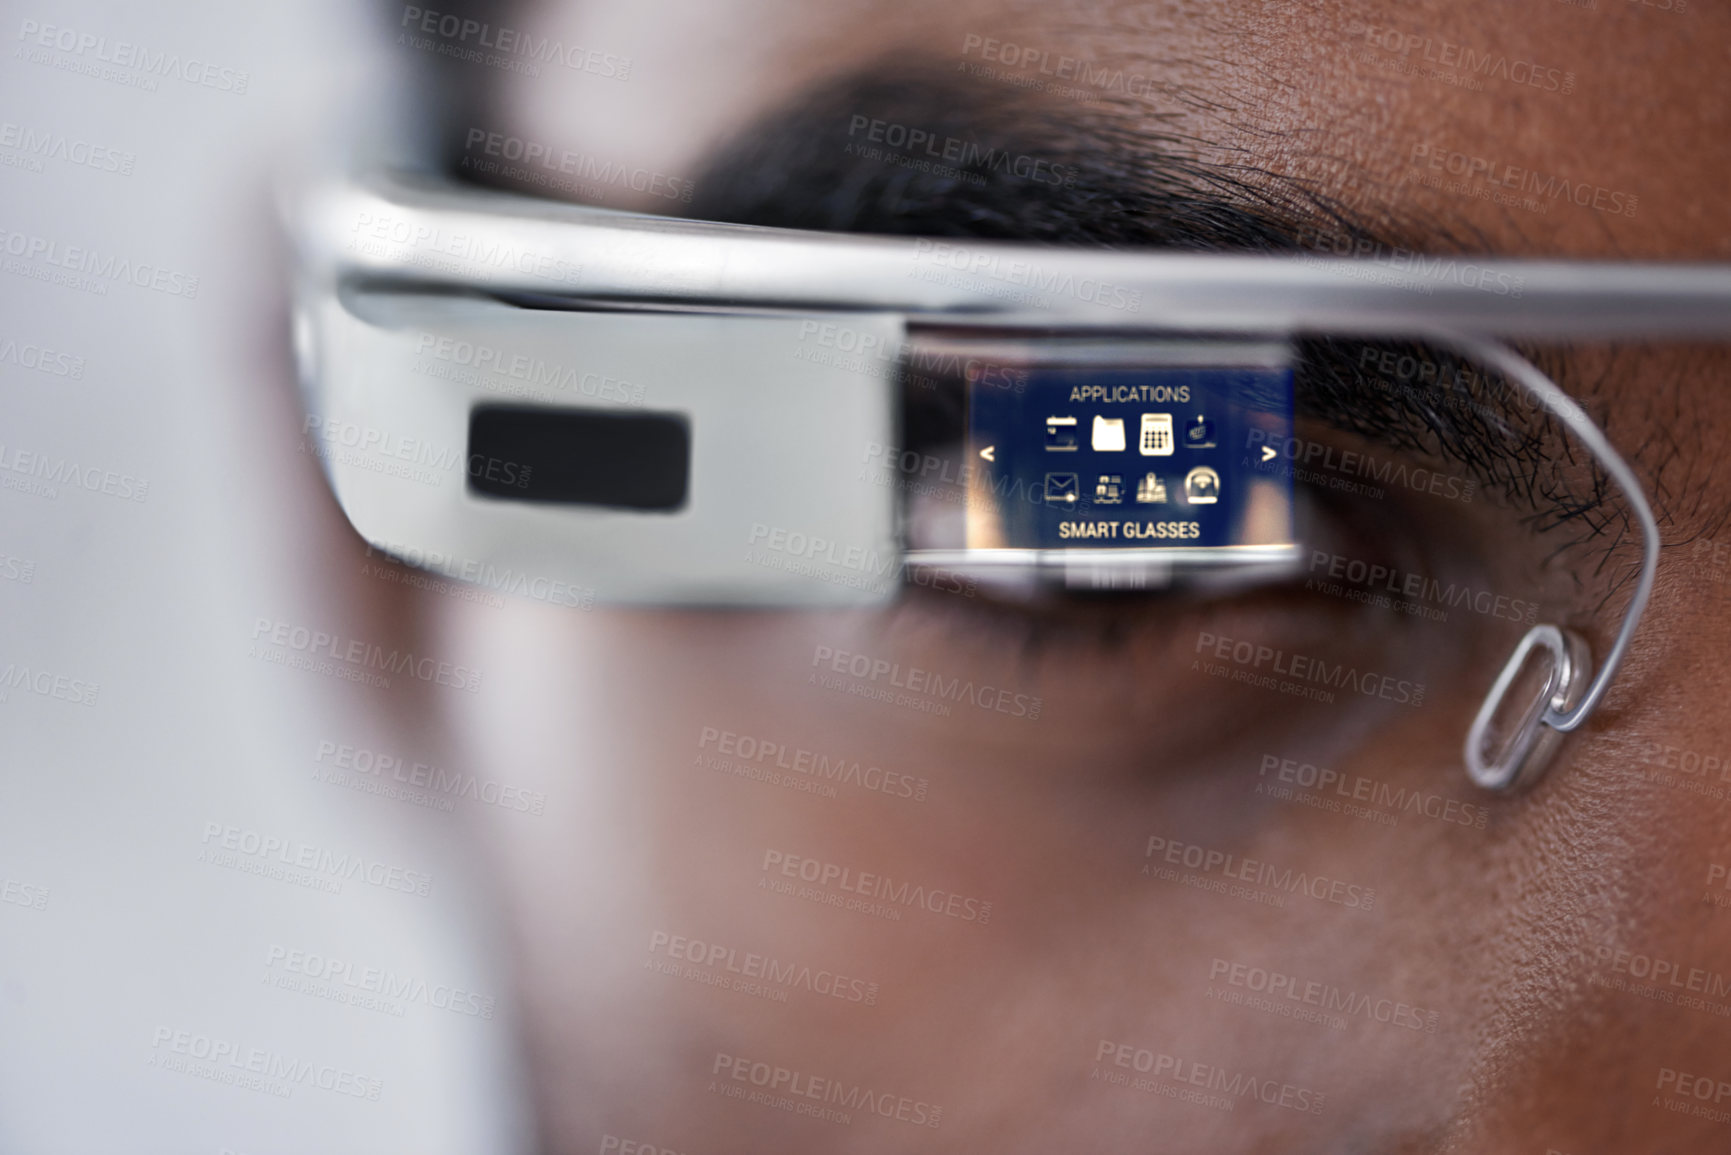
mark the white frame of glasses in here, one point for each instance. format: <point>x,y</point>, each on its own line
<point>414,234</point>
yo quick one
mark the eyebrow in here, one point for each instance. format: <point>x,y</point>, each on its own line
<point>1133,183</point>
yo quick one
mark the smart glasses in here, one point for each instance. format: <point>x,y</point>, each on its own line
<point>674,412</point>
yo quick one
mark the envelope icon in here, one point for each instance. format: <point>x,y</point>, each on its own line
<point>1108,434</point>
<point>1062,489</point>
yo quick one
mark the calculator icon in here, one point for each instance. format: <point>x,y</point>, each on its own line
<point>1156,438</point>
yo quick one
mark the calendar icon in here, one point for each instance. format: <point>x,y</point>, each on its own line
<point>1156,439</point>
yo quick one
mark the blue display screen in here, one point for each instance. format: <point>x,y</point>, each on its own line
<point>1130,458</point>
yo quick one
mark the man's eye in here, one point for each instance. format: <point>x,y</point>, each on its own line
<point>1408,587</point>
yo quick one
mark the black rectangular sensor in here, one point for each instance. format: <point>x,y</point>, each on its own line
<point>579,456</point>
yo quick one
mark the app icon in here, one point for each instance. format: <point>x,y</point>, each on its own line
<point>1061,434</point>
<point>1062,489</point>
<point>1199,434</point>
<point>1151,489</point>
<point>1108,434</point>
<point>1156,439</point>
<point>1202,486</point>
<point>1109,490</point>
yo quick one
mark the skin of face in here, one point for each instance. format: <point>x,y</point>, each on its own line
<point>1499,974</point>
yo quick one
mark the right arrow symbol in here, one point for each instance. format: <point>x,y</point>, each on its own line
<point>1268,453</point>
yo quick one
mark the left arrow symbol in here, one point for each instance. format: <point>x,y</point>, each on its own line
<point>989,452</point>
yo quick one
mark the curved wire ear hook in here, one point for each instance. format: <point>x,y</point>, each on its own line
<point>1564,700</point>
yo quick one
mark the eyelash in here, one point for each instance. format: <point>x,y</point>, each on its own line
<point>1121,634</point>
<point>1130,636</point>
<point>1456,413</point>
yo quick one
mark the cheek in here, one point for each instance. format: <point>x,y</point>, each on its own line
<point>1018,913</point>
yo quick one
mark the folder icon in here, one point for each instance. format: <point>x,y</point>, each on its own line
<point>1108,434</point>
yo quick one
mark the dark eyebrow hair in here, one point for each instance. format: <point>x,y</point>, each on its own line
<point>827,162</point>
<point>1131,183</point>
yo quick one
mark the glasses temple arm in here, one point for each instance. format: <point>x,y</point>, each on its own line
<point>1563,407</point>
